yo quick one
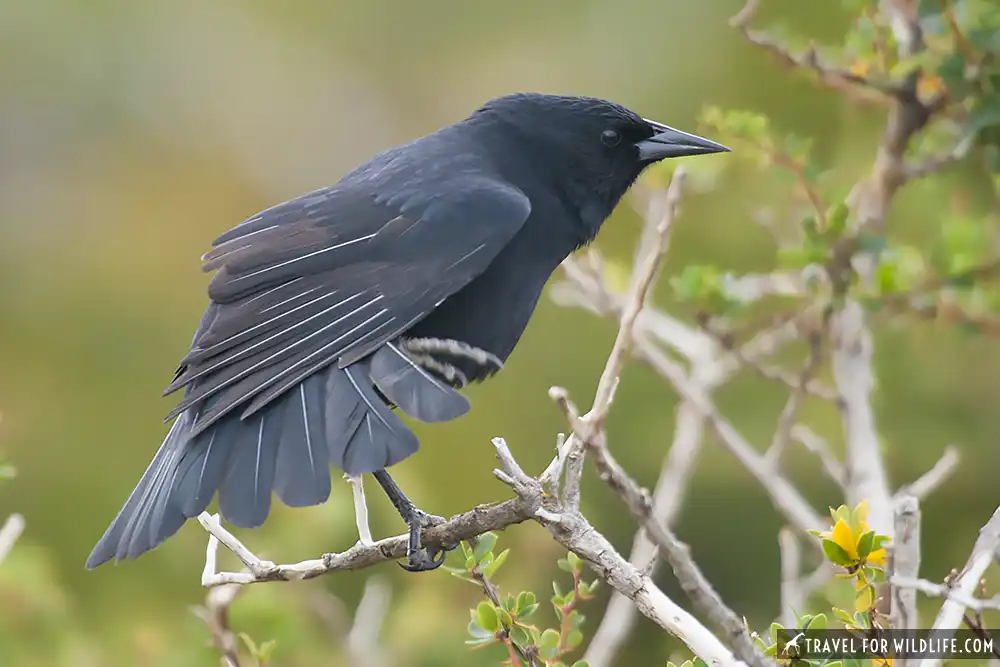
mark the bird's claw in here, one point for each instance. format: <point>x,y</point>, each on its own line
<point>418,557</point>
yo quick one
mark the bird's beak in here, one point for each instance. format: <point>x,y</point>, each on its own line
<point>668,142</point>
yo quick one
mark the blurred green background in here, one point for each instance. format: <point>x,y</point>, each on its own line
<point>134,132</point>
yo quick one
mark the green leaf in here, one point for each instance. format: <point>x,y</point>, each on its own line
<point>528,611</point>
<point>266,649</point>
<point>843,616</point>
<point>593,585</point>
<point>548,643</point>
<point>249,643</point>
<point>491,569</point>
<point>486,617</point>
<point>556,589</point>
<point>836,553</point>
<point>574,561</point>
<point>581,663</point>
<point>842,512</point>
<point>574,639</point>
<point>774,630</point>
<point>817,622</point>
<point>564,565</point>
<point>520,636</point>
<point>478,632</point>
<point>484,545</point>
<point>525,601</point>
<point>865,544</point>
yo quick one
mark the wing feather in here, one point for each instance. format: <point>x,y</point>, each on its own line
<point>330,278</point>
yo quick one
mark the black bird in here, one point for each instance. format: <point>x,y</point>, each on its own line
<point>411,277</point>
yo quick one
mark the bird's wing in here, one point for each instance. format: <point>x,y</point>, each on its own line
<point>330,277</point>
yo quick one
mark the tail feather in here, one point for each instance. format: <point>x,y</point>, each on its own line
<point>364,434</point>
<point>302,473</point>
<point>245,493</point>
<point>202,468</point>
<point>414,390</point>
<point>118,538</point>
<point>337,416</point>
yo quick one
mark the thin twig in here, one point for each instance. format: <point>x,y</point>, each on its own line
<point>932,480</point>
<point>786,420</point>
<point>785,497</point>
<point>931,589</point>
<point>821,449</point>
<point>642,280</point>
<point>215,615</point>
<point>831,76</point>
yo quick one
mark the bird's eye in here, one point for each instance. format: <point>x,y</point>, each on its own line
<point>610,138</point>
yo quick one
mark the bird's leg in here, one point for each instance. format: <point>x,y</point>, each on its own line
<point>419,558</point>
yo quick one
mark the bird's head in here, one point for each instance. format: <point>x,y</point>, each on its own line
<point>590,150</point>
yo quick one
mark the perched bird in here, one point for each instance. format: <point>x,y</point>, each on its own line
<point>410,278</point>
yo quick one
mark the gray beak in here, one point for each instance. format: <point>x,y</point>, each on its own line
<point>668,142</point>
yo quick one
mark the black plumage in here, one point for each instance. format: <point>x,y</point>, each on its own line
<point>411,277</point>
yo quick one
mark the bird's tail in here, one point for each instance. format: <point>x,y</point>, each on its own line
<point>336,416</point>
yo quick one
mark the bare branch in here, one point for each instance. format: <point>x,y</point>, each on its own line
<point>852,370</point>
<point>9,534</point>
<point>931,480</point>
<point>362,641</point>
<point>819,446</point>
<point>215,614</point>
<point>786,420</point>
<point>905,563</point>
<point>574,532</point>
<point>463,526</point>
<point>932,589</point>
<point>642,279</point>
<point>694,583</point>
<point>783,494</point>
<point>620,616</point>
<point>827,74</point>
<point>792,594</point>
<point>963,587</point>
<point>357,636</point>
<point>360,509</point>
<point>937,163</point>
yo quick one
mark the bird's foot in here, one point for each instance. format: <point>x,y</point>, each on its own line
<point>420,558</point>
